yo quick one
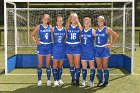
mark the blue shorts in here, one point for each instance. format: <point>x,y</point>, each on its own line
<point>87,53</point>
<point>58,52</point>
<point>102,52</point>
<point>73,49</point>
<point>44,49</point>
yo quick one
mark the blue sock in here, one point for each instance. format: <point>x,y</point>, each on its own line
<point>84,73</point>
<point>100,75</point>
<point>92,74</point>
<point>48,71</point>
<point>55,74</point>
<point>106,75</point>
<point>59,73</point>
<point>72,72</point>
<point>77,73</point>
<point>39,72</point>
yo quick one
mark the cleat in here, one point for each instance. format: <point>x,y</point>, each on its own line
<point>90,84</point>
<point>100,84</point>
<point>84,83</point>
<point>39,83</point>
<point>48,83</point>
<point>104,84</point>
<point>77,83</point>
<point>56,83</point>
<point>61,82</point>
<point>73,82</point>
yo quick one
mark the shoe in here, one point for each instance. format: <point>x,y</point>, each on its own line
<point>60,82</point>
<point>39,83</point>
<point>104,84</point>
<point>84,83</point>
<point>77,83</point>
<point>90,84</point>
<point>56,83</point>
<point>73,82</point>
<point>48,83</point>
<point>100,84</point>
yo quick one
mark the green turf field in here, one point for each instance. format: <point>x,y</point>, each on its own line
<point>27,83</point>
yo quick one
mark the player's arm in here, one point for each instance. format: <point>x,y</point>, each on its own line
<point>66,35</point>
<point>115,37</point>
<point>52,31</point>
<point>33,35</point>
<point>94,34</point>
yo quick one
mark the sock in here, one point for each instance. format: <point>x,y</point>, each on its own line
<point>77,73</point>
<point>59,72</point>
<point>48,71</point>
<point>55,74</point>
<point>72,72</point>
<point>39,72</point>
<point>84,73</point>
<point>100,75</point>
<point>106,75</point>
<point>92,74</point>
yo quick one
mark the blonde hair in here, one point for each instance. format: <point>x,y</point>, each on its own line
<point>87,18</point>
<point>48,16</point>
<point>68,22</point>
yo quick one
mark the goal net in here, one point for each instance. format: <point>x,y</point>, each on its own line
<point>21,51</point>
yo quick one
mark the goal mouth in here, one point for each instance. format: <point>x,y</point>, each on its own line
<point>20,51</point>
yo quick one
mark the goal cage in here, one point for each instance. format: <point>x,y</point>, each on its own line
<point>20,51</point>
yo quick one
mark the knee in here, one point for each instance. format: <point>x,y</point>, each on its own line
<point>77,65</point>
<point>71,64</point>
<point>59,66</point>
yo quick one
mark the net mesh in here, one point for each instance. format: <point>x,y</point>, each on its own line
<point>27,19</point>
<point>10,33</point>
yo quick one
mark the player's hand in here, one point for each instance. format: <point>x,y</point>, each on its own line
<point>109,45</point>
<point>37,41</point>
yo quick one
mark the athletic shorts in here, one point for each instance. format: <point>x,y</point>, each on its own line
<point>102,52</point>
<point>73,49</point>
<point>44,49</point>
<point>58,52</point>
<point>87,53</point>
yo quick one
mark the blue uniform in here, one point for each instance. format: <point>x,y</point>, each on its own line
<point>87,45</point>
<point>44,33</point>
<point>101,41</point>
<point>58,50</point>
<point>73,40</point>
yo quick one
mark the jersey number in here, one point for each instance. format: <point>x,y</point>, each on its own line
<point>85,40</point>
<point>46,35</point>
<point>59,39</point>
<point>98,40</point>
<point>73,36</point>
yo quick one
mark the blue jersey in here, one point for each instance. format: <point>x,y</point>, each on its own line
<point>87,38</point>
<point>59,36</point>
<point>45,34</point>
<point>73,34</point>
<point>101,37</point>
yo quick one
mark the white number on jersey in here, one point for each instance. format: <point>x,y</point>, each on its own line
<point>46,35</point>
<point>85,40</point>
<point>73,36</point>
<point>59,39</point>
<point>98,40</point>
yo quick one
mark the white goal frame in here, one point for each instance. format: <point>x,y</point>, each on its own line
<point>126,2</point>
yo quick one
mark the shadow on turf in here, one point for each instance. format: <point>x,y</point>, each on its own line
<point>2,71</point>
<point>67,88</point>
<point>121,69</point>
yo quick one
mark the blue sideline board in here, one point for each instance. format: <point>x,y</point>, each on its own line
<point>31,61</point>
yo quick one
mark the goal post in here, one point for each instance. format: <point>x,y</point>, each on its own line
<point>18,23</point>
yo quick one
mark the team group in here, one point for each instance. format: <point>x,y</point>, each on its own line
<point>80,44</point>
